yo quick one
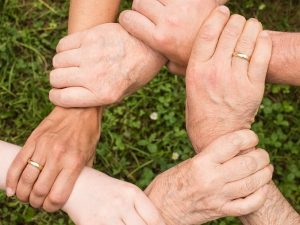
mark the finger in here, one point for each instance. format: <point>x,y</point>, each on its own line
<point>70,58</point>
<point>260,59</point>
<point>61,189</point>
<point>209,34</point>
<point>247,205</point>
<point>246,44</point>
<point>248,185</point>
<point>229,37</point>
<point>147,210</point>
<point>29,176</point>
<point>17,167</point>
<point>150,9</point>
<point>72,41</point>
<point>43,185</point>
<point>138,25</point>
<point>176,69</point>
<point>244,165</point>
<point>132,218</point>
<point>229,145</point>
<point>73,97</point>
<point>66,77</point>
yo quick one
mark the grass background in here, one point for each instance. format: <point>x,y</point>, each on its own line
<point>133,147</point>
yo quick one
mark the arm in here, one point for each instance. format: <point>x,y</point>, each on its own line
<point>284,66</point>
<point>173,35</point>
<point>215,91</point>
<point>89,13</point>
<point>66,135</point>
<point>96,197</point>
<point>276,211</point>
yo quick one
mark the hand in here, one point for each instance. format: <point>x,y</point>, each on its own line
<point>168,26</point>
<point>63,143</point>
<point>101,200</point>
<point>224,180</point>
<point>224,92</point>
<point>100,67</point>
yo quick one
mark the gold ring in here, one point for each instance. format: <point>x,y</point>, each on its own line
<point>35,164</point>
<point>241,56</point>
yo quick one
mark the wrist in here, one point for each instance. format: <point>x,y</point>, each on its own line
<point>275,211</point>
<point>284,67</point>
<point>202,135</point>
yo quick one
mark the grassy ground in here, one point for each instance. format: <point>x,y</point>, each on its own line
<point>133,147</point>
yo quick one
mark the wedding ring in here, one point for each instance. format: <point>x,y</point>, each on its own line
<point>35,164</point>
<point>241,56</point>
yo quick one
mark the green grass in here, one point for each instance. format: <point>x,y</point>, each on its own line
<point>133,147</point>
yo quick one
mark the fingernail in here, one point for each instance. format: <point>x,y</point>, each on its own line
<point>224,9</point>
<point>264,34</point>
<point>10,192</point>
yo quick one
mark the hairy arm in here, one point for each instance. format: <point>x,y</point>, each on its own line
<point>276,211</point>
<point>284,66</point>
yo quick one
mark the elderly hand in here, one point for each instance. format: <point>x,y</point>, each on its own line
<point>168,26</point>
<point>224,180</point>
<point>224,91</point>
<point>101,200</point>
<point>100,67</point>
<point>63,144</point>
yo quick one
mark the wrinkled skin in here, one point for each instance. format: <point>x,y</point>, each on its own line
<point>100,67</point>
<point>168,26</point>
<point>226,179</point>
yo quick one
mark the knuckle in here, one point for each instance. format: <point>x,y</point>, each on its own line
<point>264,155</point>
<point>78,162</point>
<point>174,20</point>
<point>243,209</point>
<point>246,43</point>
<point>250,185</point>
<point>40,191</point>
<point>59,149</point>
<point>161,39</point>
<point>26,178</point>
<point>235,139</point>
<point>132,191</point>
<point>208,33</point>
<point>248,163</point>
<point>56,199</point>
<point>234,27</point>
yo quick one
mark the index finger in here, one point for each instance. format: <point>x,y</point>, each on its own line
<point>72,41</point>
<point>228,146</point>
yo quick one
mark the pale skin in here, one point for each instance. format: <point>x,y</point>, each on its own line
<point>151,19</point>
<point>96,198</point>
<point>118,99</point>
<point>206,84</point>
<point>219,182</point>
<point>157,24</point>
<point>65,141</point>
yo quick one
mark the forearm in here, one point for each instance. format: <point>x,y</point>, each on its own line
<point>276,211</point>
<point>284,66</point>
<point>84,15</point>
<point>89,13</point>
